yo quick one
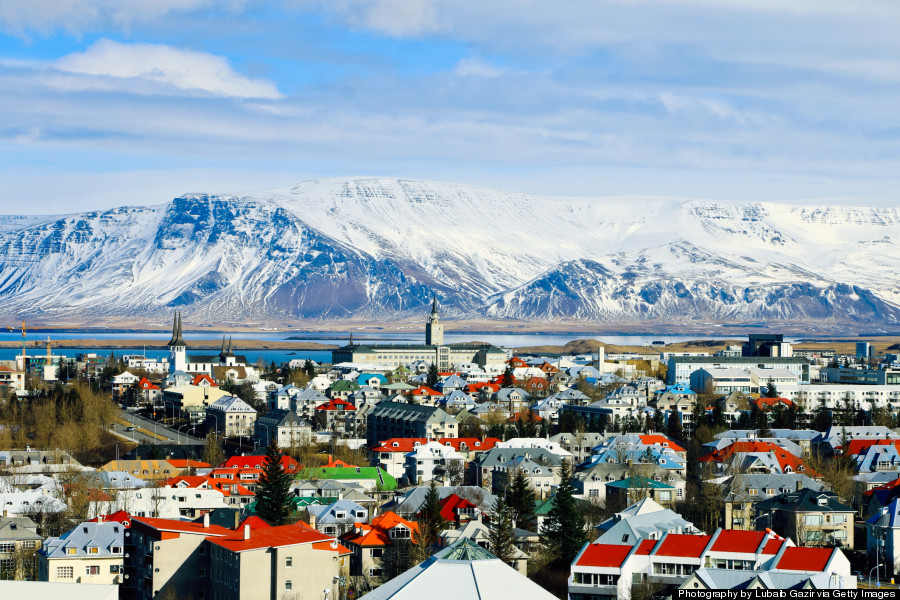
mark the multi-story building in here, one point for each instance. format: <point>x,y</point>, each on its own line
<point>90,553</point>
<point>271,563</point>
<point>434,460</point>
<point>741,492</point>
<point>367,542</point>
<point>231,417</point>
<point>287,428</point>
<point>399,420</point>
<point>680,368</point>
<point>18,541</point>
<point>189,401</point>
<point>883,537</point>
<point>813,518</point>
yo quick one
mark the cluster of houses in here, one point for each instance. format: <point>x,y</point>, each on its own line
<point>175,525</point>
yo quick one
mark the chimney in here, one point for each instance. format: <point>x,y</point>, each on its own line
<point>246,532</point>
<point>205,520</point>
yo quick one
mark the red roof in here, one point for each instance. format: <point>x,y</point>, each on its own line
<point>269,537</point>
<point>656,438</point>
<point>258,462</point>
<point>377,533</point>
<point>680,544</point>
<point>860,446</point>
<point>198,379</point>
<point>604,555</point>
<point>646,547</point>
<point>451,504</point>
<point>404,445</point>
<point>407,445</point>
<point>730,540</point>
<point>887,486</point>
<point>146,384</point>
<point>424,391</point>
<point>337,404</point>
<point>120,516</point>
<point>516,362</point>
<point>523,415</point>
<point>771,402</point>
<point>476,387</point>
<point>333,464</point>
<point>805,559</point>
<point>182,526</point>
<point>773,546</point>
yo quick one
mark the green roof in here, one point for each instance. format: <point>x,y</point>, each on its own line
<point>299,502</point>
<point>543,507</point>
<point>344,385</point>
<point>465,549</point>
<point>638,482</point>
<point>385,480</point>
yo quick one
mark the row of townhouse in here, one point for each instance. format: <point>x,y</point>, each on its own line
<point>608,571</point>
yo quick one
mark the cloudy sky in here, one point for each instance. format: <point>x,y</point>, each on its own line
<point>105,103</point>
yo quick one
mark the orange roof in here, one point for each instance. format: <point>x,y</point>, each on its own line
<point>471,443</point>
<point>785,459</point>
<point>404,445</point>
<point>730,540</point>
<point>656,438</point>
<point>604,555</point>
<point>146,384</point>
<point>119,516</point>
<point>805,559</point>
<point>273,537</point>
<point>771,402</point>
<point>377,533</point>
<point>680,544</point>
<point>475,387</point>
<point>333,464</point>
<point>887,486</point>
<point>189,480</point>
<point>254,522</point>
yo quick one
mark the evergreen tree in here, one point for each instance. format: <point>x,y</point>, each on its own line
<point>563,532</point>
<point>508,379</point>
<point>273,504</point>
<point>673,426</point>
<point>431,522</point>
<point>309,368</point>
<point>760,418</point>
<point>770,391</point>
<point>658,420</point>
<point>521,500</point>
<point>501,532</point>
<point>433,375</point>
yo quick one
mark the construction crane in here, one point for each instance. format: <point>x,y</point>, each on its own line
<point>24,365</point>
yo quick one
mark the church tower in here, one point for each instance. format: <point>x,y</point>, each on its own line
<point>177,347</point>
<point>434,329</point>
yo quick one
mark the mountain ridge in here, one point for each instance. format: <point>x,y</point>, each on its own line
<point>380,248</point>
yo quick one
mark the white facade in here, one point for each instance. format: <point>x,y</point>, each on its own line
<point>421,463</point>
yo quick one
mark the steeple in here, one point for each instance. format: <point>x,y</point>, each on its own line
<point>177,339</point>
<point>434,330</point>
<point>434,310</point>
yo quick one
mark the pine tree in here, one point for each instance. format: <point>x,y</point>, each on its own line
<point>501,532</point>
<point>770,390</point>
<point>520,499</point>
<point>563,532</point>
<point>433,375</point>
<point>431,523</point>
<point>673,427</point>
<point>508,379</point>
<point>273,504</point>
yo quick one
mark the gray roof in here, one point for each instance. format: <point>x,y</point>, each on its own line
<point>412,501</point>
<point>284,418</point>
<point>781,360</point>
<point>18,528</point>
<point>501,456</point>
<point>779,483</point>
<point>327,513</point>
<point>104,536</point>
<point>410,412</point>
<point>805,501</point>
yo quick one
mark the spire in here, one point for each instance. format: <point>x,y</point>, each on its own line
<point>177,339</point>
<point>222,352</point>
<point>229,347</point>
<point>434,310</point>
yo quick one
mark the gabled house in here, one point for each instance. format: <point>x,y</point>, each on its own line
<point>883,537</point>
<point>92,552</point>
<point>813,518</point>
<point>367,542</point>
<point>337,518</point>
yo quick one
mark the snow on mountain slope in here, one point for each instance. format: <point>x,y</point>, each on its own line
<point>379,247</point>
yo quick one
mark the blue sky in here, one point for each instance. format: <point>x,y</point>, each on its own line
<point>106,103</point>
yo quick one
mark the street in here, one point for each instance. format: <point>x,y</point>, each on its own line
<point>147,431</point>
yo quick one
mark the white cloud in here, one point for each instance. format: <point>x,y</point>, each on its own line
<point>122,66</point>
<point>474,67</point>
<point>81,15</point>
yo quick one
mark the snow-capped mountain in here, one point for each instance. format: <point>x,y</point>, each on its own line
<point>379,248</point>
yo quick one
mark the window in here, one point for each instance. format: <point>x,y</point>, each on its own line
<point>64,572</point>
<point>115,568</point>
<point>376,552</point>
<point>93,550</point>
<point>92,570</point>
<point>71,550</point>
<point>374,572</point>
<point>8,547</point>
<point>288,585</point>
<point>288,561</point>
